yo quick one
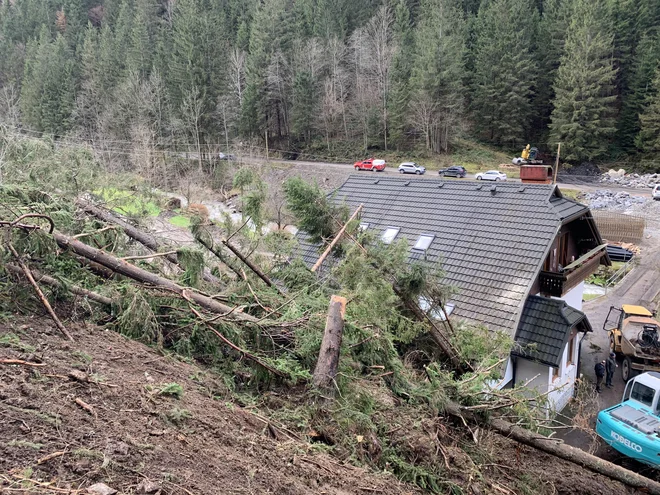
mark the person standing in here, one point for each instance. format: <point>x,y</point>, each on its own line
<point>610,366</point>
<point>600,373</point>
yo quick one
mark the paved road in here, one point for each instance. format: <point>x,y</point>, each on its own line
<point>432,174</point>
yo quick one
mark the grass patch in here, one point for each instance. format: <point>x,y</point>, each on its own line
<point>12,340</point>
<point>573,194</point>
<point>590,297</point>
<point>25,444</point>
<point>129,203</point>
<point>180,221</point>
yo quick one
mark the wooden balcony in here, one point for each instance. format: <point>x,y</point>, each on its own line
<point>559,283</point>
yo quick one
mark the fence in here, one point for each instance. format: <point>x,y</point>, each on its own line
<point>617,227</point>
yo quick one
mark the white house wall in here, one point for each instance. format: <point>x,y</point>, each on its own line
<point>539,375</point>
<point>574,296</point>
<point>564,385</point>
<point>559,389</point>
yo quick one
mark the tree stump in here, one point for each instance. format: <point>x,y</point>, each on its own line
<point>328,361</point>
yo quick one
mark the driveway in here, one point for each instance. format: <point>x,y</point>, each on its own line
<point>641,286</point>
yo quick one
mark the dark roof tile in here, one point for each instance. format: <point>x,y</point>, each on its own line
<point>491,246</point>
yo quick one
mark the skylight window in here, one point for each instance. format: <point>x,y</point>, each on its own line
<point>424,242</point>
<point>364,226</point>
<point>389,234</point>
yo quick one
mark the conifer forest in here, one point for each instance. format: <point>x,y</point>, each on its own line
<point>332,75</point>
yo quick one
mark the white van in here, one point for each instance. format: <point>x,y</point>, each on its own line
<point>656,192</point>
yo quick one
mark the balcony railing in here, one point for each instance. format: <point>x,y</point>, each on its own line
<point>559,283</point>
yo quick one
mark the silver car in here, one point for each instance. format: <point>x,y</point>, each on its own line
<point>490,175</point>
<point>411,168</point>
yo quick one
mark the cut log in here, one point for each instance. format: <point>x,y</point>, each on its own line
<point>559,449</point>
<point>135,273</point>
<point>328,361</point>
<point>257,271</point>
<point>74,289</point>
<point>143,238</point>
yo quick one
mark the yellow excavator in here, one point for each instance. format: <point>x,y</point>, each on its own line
<point>528,156</point>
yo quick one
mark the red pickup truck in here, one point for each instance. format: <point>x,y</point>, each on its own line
<point>370,164</point>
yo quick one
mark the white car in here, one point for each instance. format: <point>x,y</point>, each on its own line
<point>490,175</point>
<point>656,192</point>
<point>411,168</point>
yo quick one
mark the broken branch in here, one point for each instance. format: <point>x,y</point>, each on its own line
<point>86,407</point>
<point>37,289</point>
<point>74,289</point>
<point>335,240</point>
<point>245,353</point>
<point>251,265</point>
<point>19,361</point>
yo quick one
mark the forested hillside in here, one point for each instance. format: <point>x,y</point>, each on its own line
<point>131,76</point>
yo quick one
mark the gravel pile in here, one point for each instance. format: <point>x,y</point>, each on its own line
<point>622,179</point>
<point>621,200</point>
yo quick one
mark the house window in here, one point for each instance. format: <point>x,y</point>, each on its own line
<point>363,226</point>
<point>424,242</point>
<point>555,373</point>
<point>389,234</point>
<point>571,350</point>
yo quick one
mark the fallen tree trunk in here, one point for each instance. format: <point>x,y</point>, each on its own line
<point>218,254</point>
<point>257,271</point>
<point>28,274</point>
<point>436,334</point>
<point>74,289</point>
<point>131,271</point>
<point>143,238</point>
<point>328,361</point>
<point>557,448</point>
<point>335,240</point>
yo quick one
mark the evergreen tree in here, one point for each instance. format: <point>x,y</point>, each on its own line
<point>551,35</point>
<point>639,88</point>
<point>648,139</point>
<point>48,90</point>
<point>505,70</point>
<point>122,36</point>
<point>439,99</point>
<point>401,71</point>
<point>583,116</point>
<point>141,49</point>
<point>75,19</point>
<point>265,37</point>
<point>304,109</point>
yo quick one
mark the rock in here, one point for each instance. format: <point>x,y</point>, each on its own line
<point>101,489</point>
<point>147,486</point>
<point>173,204</point>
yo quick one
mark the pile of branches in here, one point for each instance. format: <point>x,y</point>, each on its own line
<point>147,289</point>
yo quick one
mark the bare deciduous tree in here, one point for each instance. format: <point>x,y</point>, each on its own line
<point>237,73</point>
<point>381,49</point>
<point>192,110</point>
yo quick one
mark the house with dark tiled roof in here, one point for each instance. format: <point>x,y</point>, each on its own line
<point>515,254</point>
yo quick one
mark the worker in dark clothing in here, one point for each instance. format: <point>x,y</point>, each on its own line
<point>600,373</point>
<point>610,366</point>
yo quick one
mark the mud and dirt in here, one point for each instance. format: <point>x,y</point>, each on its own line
<point>137,429</point>
<point>106,409</point>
